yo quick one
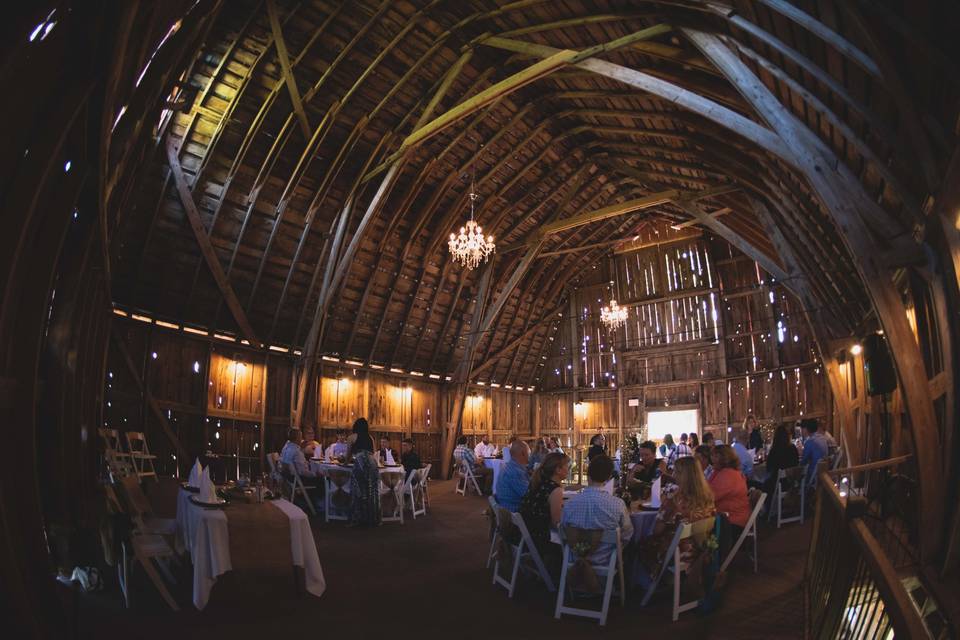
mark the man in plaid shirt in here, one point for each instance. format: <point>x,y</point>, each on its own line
<point>594,508</point>
<point>464,454</point>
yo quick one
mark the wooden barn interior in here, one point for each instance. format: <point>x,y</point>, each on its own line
<point>223,219</point>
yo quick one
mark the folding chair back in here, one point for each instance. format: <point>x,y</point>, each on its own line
<point>392,484</point>
<point>335,480</point>
<point>116,460</point>
<point>791,483</point>
<point>425,485</point>
<point>140,455</point>
<point>493,529</point>
<point>138,507</point>
<point>295,484</point>
<point>610,569</point>
<point>757,500</point>
<point>416,487</point>
<point>698,531</point>
<point>534,553</point>
<point>467,480</point>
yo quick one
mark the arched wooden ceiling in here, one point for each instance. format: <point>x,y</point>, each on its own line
<point>328,147</point>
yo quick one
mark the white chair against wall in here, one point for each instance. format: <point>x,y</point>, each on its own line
<point>795,479</point>
<point>466,480</point>
<point>140,455</point>
<point>337,485</point>
<point>294,485</point>
<point>757,499</point>
<point>522,555</point>
<point>116,460</point>
<point>609,570</point>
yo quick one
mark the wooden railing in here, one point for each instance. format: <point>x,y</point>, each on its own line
<point>852,589</point>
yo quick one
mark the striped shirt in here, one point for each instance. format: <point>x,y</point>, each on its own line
<point>463,453</point>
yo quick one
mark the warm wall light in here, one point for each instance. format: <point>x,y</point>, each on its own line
<point>856,349</point>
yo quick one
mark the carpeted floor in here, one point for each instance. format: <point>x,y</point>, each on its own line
<point>427,579</point>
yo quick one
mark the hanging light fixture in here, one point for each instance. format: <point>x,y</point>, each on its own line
<point>470,247</point>
<point>613,316</point>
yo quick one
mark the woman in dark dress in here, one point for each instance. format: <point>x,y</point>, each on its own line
<point>783,455</point>
<point>365,479</point>
<point>543,502</point>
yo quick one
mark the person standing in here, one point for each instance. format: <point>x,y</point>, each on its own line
<point>365,478</point>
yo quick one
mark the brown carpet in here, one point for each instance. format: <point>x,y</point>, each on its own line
<point>427,578</point>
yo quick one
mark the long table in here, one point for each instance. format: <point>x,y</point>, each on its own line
<point>204,534</point>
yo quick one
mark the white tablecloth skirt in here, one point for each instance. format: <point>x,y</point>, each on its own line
<point>203,533</point>
<point>497,465</point>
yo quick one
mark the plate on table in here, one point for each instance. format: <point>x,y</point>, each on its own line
<point>220,503</point>
<point>187,487</point>
<point>647,505</point>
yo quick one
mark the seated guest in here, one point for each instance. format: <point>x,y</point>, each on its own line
<point>783,455</point>
<point>542,505</point>
<point>340,448</point>
<point>684,450</point>
<point>514,480</point>
<point>538,455</point>
<point>506,450</point>
<point>739,447</point>
<point>409,458</point>
<point>815,446</point>
<point>465,456</point>
<point>310,449</point>
<point>484,449</point>
<point>693,442</point>
<point>597,447</point>
<point>708,438</point>
<point>730,488</point>
<point>689,500</point>
<point>384,448</point>
<point>751,426</point>
<point>649,468</point>
<point>703,454</point>
<point>554,446</point>
<point>293,459</point>
<point>594,508</point>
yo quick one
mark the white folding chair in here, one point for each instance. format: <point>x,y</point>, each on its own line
<point>147,549</point>
<point>295,486</point>
<point>416,485</point>
<point>467,480</point>
<point>612,568</point>
<point>523,554</point>
<point>116,460</point>
<point>699,529</point>
<point>426,485</point>
<point>493,530</point>
<point>140,454</point>
<point>392,484</point>
<point>336,483</point>
<point>140,510</point>
<point>796,479</point>
<point>758,499</point>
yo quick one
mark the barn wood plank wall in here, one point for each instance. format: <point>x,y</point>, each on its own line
<point>707,329</point>
<point>217,396</point>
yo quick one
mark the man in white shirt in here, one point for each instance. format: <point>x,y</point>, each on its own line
<point>484,449</point>
<point>340,448</point>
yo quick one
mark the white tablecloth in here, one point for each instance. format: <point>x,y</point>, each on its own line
<point>497,465</point>
<point>204,535</point>
<point>324,467</point>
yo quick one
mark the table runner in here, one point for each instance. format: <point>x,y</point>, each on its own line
<point>259,536</point>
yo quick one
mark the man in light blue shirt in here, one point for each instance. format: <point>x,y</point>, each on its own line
<point>746,457</point>
<point>815,447</point>
<point>514,479</point>
<point>594,508</point>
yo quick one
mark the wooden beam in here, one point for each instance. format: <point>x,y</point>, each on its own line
<point>151,401</point>
<point>288,78</point>
<point>206,248</point>
<point>845,201</point>
<point>492,360</point>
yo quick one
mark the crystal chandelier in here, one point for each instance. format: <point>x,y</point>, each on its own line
<point>470,247</point>
<point>613,316</point>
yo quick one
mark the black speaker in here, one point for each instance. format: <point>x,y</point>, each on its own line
<point>878,368</point>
